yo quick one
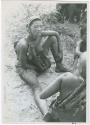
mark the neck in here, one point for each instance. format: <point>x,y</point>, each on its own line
<point>30,38</point>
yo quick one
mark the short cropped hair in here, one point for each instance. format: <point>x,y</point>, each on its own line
<point>32,19</point>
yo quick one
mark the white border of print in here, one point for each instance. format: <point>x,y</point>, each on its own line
<point>88,59</point>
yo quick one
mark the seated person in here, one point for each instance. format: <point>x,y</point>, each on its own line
<point>32,57</point>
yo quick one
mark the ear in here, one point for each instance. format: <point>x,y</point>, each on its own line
<point>27,28</point>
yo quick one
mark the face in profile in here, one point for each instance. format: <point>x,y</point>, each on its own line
<point>82,65</point>
<point>36,28</point>
<point>83,33</point>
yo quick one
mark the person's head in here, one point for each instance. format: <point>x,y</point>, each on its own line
<point>83,33</point>
<point>82,65</point>
<point>35,26</point>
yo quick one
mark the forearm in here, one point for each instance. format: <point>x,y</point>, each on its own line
<point>51,33</point>
<point>47,35</point>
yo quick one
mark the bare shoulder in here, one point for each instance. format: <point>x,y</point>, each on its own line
<point>22,43</point>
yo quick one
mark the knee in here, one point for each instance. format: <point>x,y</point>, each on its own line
<point>31,80</point>
<point>53,40</point>
<point>66,75</point>
<point>70,81</point>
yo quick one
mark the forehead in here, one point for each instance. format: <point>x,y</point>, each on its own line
<point>36,22</point>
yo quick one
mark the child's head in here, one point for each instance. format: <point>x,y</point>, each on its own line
<point>83,33</point>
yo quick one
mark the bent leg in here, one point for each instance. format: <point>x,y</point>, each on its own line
<point>57,54</point>
<point>70,81</point>
<point>30,77</point>
<point>56,50</point>
<point>65,81</point>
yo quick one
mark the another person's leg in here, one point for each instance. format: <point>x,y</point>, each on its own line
<point>29,76</point>
<point>66,81</point>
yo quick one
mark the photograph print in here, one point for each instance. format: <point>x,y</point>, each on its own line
<point>44,51</point>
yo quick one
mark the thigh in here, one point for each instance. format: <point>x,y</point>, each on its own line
<point>30,77</point>
<point>70,81</point>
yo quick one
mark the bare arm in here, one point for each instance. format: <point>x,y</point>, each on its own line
<point>52,33</point>
<point>48,33</point>
<point>22,54</point>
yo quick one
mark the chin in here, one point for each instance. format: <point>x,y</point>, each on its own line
<point>35,36</point>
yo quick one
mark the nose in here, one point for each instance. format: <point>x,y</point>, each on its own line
<point>39,28</point>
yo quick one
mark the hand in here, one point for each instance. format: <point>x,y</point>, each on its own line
<point>40,63</point>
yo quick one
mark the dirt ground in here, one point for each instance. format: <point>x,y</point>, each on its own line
<point>19,105</point>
